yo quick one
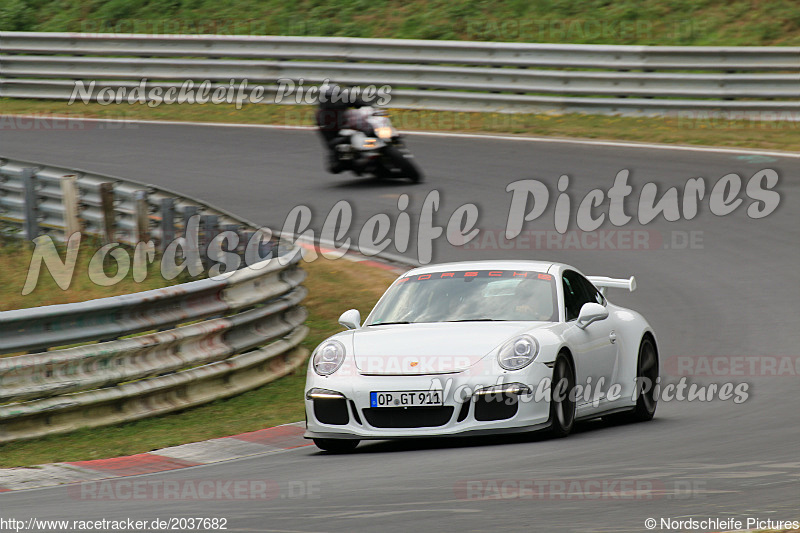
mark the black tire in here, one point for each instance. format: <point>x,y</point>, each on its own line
<point>405,165</point>
<point>336,445</point>
<point>646,377</point>
<point>383,173</point>
<point>562,407</point>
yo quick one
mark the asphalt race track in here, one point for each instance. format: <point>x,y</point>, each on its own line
<point>733,292</point>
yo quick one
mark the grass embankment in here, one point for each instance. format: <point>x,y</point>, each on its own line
<point>660,22</point>
<point>705,129</point>
<point>333,287</point>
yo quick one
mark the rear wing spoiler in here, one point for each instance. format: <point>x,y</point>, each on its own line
<point>603,283</point>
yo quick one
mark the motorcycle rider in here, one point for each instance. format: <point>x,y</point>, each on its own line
<point>332,117</point>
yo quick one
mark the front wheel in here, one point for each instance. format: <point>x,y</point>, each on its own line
<point>562,398</point>
<point>406,168</point>
<point>336,445</point>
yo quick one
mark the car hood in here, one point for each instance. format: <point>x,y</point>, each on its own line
<point>430,348</point>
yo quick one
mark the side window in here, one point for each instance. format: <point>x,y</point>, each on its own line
<point>574,296</point>
<point>592,294</point>
<point>577,291</point>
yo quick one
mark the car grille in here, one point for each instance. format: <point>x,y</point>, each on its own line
<point>408,417</point>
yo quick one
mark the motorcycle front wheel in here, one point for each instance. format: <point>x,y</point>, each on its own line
<point>406,168</point>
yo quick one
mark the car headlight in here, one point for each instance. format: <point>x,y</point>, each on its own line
<point>328,357</point>
<point>518,353</point>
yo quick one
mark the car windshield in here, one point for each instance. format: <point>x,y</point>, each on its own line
<point>465,296</point>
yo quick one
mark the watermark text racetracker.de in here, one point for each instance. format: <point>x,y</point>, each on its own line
<point>236,92</point>
<point>619,489</point>
<point>44,122</point>
<point>604,239</point>
<point>731,366</point>
<point>579,30</point>
<point>123,489</point>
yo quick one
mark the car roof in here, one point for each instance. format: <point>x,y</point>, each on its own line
<point>502,264</point>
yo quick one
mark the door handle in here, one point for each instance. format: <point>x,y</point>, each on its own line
<point>612,337</point>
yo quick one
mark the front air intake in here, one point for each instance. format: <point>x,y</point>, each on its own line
<point>408,417</point>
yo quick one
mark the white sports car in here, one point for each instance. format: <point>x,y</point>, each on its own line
<point>482,347</point>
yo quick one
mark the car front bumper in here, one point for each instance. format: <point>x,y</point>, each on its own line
<point>347,413</point>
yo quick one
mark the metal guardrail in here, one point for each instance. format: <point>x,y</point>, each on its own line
<point>158,350</point>
<point>105,206</point>
<point>447,75</point>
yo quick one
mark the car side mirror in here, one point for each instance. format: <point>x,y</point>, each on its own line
<point>591,312</point>
<point>351,319</point>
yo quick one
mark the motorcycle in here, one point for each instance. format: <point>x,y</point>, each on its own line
<point>376,147</point>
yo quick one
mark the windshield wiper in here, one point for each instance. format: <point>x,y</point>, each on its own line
<point>390,323</point>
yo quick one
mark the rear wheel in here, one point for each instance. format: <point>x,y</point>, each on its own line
<point>646,379</point>
<point>562,401</point>
<point>404,165</point>
<point>336,445</point>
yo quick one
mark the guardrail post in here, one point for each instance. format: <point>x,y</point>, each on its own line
<point>142,211</point>
<point>107,205</point>
<point>69,198</point>
<point>190,239</point>
<point>28,176</point>
<point>167,222</point>
<point>246,235</point>
<point>208,230</point>
<point>188,212</point>
<point>234,228</point>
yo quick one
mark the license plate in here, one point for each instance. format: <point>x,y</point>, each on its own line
<point>413,398</point>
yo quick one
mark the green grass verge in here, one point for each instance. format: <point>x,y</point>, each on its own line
<point>333,287</point>
<point>15,263</point>
<point>663,22</point>
<point>708,129</point>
